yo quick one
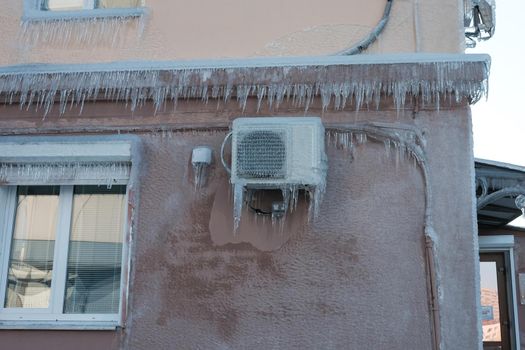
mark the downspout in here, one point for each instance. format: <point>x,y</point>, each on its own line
<point>432,267</point>
<point>372,37</point>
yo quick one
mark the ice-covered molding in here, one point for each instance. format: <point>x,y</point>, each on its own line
<point>60,161</point>
<point>353,82</point>
<point>495,180</point>
<point>99,173</point>
<point>487,183</point>
<point>408,144</point>
<point>501,193</point>
<point>520,202</point>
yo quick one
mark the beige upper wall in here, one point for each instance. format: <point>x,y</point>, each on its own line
<point>202,29</point>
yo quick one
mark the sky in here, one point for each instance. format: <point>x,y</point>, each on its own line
<point>489,277</point>
<point>499,122</point>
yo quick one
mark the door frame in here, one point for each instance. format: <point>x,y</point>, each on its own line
<point>505,244</point>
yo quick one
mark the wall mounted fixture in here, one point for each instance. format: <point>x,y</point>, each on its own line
<point>201,157</point>
<point>479,20</point>
<point>286,154</point>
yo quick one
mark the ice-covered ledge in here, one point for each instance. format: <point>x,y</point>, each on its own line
<point>337,80</point>
<point>34,15</point>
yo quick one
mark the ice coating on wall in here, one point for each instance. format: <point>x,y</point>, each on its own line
<point>407,144</point>
<point>100,173</point>
<point>290,197</point>
<point>520,203</point>
<point>199,174</point>
<point>339,82</point>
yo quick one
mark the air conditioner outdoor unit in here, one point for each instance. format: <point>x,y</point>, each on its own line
<point>278,152</point>
<point>287,154</point>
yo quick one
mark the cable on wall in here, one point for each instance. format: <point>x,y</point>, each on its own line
<point>372,37</point>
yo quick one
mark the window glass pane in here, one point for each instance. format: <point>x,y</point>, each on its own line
<point>489,301</point>
<point>32,248</point>
<point>73,5</point>
<point>95,250</point>
<point>119,3</point>
<point>69,5</point>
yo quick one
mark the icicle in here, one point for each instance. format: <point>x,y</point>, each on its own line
<point>200,160</point>
<point>336,85</point>
<point>238,201</point>
<point>199,174</point>
<point>68,31</point>
<point>498,183</point>
<point>104,173</point>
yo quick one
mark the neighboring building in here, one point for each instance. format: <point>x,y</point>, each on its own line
<point>500,191</point>
<point>119,230</point>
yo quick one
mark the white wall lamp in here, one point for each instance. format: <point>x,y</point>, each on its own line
<point>201,157</point>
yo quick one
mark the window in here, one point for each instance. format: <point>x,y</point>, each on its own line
<point>71,5</point>
<point>44,10</point>
<point>63,228</point>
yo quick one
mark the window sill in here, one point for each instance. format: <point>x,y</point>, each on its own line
<point>59,325</point>
<point>34,15</point>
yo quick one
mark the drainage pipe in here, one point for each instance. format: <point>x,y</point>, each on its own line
<point>379,132</point>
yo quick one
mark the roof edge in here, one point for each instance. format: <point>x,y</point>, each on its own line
<point>261,62</point>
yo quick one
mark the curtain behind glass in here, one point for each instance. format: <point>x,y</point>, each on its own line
<point>95,250</point>
<point>119,3</point>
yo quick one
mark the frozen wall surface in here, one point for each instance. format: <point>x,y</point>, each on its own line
<point>355,277</point>
<point>168,30</point>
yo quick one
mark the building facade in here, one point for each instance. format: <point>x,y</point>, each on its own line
<point>121,229</point>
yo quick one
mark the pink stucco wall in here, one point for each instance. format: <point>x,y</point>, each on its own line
<point>353,278</point>
<point>176,30</point>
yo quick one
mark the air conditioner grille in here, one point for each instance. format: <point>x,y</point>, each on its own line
<point>261,154</point>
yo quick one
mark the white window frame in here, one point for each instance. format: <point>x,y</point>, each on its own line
<point>505,244</point>
<point>53,316</point>
<point>33,12</point>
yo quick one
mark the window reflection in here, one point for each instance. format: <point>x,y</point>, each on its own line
<point>31,259</point>
<point>75,5</point>
<point>489,302</point>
